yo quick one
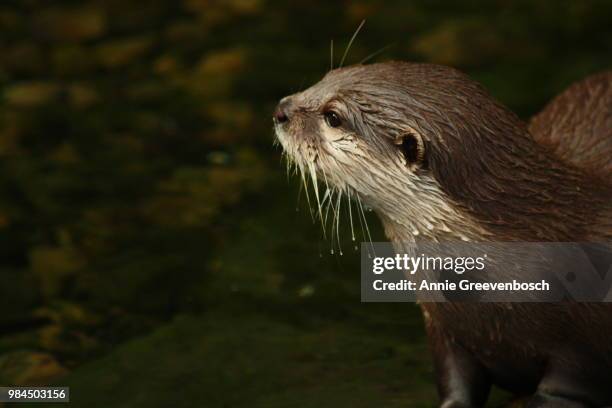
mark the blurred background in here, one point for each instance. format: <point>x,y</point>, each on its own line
<point>153,251</point>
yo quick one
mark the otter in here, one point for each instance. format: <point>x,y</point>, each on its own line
<point>438,158</point>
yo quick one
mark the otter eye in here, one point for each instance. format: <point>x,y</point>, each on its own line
<point>332,119</point>
<point>412,148</point>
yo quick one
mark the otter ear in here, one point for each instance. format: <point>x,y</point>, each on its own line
<point>412,147</point>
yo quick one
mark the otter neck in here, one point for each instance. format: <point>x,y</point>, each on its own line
<point>527,196</point>
<point>533,196</point>
<point>416,210</point>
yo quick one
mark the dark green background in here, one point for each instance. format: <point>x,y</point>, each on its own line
<point>151,251</point>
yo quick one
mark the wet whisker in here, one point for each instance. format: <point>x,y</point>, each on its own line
<point>331,55</point>
<point>348,47</point>
<point>376,53</point>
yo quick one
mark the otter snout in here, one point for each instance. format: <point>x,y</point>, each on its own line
<point>283,111</point>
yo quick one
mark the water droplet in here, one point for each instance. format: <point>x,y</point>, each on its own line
<point>331,251</point>
<point>356,248</point>
<point>341,253</point>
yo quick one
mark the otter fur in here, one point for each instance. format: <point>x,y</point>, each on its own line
<point>439,159</point>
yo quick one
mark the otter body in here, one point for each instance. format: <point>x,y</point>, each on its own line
<point>439,159</point>
<point>577,124</point>
<point>558,352</point>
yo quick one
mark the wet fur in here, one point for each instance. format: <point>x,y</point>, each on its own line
<point>577,124</point>
<point>486,179</point>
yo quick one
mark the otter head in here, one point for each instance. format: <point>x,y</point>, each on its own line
<point>423,145</point>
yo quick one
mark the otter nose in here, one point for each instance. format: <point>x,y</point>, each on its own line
<point>283,110</point>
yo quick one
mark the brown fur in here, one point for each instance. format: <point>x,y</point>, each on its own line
<point>577,124</point>
<point>484,177</point>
